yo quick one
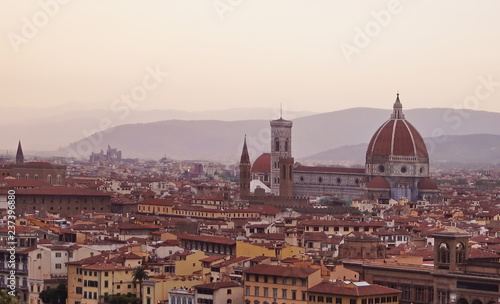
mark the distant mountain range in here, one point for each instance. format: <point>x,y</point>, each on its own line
<point>314,136</point>
<point>55,127</point>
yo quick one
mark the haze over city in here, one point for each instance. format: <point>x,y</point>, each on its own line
<point>316,56</point>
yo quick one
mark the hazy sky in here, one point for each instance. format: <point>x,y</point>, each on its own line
<point>315,55</point>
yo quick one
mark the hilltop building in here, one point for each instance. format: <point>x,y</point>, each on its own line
<point>112,154</point>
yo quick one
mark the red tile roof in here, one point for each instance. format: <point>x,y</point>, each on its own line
<point>217,285</point>
<point>340,288</point>
<point>262,164</point>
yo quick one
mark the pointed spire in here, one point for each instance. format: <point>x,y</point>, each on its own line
<point>19,154</point>
<point>398,109</point>
<point>244,154</point>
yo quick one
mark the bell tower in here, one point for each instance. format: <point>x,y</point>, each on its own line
<point>19,154</point>
<point>281,147</point>
<point>245,176</point>
<point>286,176</point>
<point>450,250</point>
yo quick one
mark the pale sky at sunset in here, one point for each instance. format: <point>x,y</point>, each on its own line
<point>255,54</point>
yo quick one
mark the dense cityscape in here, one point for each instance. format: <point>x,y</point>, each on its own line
<point>269,230</point>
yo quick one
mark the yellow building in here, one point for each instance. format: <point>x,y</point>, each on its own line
<point>346,292</point>
<point>279,251</point>
<point>187,263</point>
<point>156,289</point>
<point>286,285</point>
<point>88,284</point>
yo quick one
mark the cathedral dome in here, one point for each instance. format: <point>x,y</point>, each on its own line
<point>262,164</point>
<point>397,137</point>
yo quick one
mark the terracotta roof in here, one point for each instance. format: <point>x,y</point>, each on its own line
<point>351,289</point>
<point>262,164</point>
<point>296,272</point>
<point>397,137</point>
<point>427,184</point>
<point>378,182</point>
<point>213,258</point>
<point>106,267</point>
<point>217,285</point>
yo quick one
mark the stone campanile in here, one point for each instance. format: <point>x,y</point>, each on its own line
<point>245,176</point>
<point>281,148</point>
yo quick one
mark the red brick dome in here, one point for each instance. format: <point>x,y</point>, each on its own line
<point>262,164</point>
<point>378,183</point>
<point>397,137</point>
<point>427,184</point>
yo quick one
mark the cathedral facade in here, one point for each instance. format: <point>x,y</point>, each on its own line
<point>396,167</point>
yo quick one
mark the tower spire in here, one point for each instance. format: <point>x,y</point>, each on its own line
<point>245,158</point>
<point>19,154</point>
<point>397,109</point>
<point>245,176</point>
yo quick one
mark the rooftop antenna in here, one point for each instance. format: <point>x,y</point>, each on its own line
<point>281,110</point>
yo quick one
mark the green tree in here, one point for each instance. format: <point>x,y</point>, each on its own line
<point>54,295</point>
<point>5,298</point>
<point>139,275</point>
<point>129,298</point>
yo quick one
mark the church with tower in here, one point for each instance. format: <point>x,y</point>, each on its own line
<point>396,167</point>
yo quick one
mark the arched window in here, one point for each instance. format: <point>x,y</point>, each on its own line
<point>286,145</point>
<point>277,144</point>
<point>443,253</point>
<point>49,179</point>
<point>59,179</point>
<point>18,176</point>
<point>26,176</point>
<point>460,253</point>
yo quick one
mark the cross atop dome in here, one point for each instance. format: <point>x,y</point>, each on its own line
<point>398,109</point>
